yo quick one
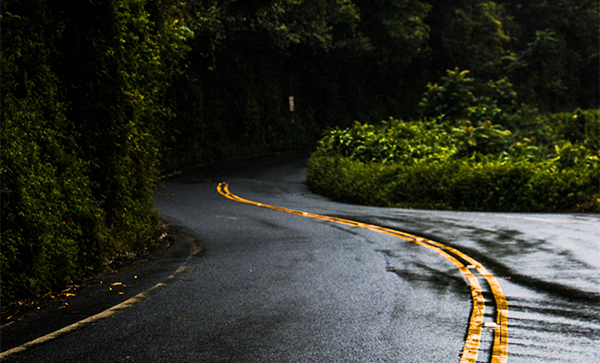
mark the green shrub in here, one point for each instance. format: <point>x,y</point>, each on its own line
<point>456,185</point>
<point>432,164</point>
<point>451,99</point>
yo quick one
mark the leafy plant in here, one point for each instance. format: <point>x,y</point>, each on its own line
<point>83,106</point>
<point>451,99</point>
<point>434,164</point>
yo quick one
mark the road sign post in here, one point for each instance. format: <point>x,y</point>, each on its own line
<point>292,107</point>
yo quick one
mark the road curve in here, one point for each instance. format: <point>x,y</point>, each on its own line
<point>274,286</point>
<point>473,338</point>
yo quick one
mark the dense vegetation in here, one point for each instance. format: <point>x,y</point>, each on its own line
<point>347,60</point>
<point>99,97</point>
<point>83,94</point>
<point>459,159</point>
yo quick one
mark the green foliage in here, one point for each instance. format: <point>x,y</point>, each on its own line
<point>247,59</point>
<point>487,185</point>
<point>553,60</point>
<point>540,66</point>
<point>392,141</point>
<point>51,224</point>
<point>483,140</point>
<point>396,30</point>
<point>468,34</point>
<point>579,127</point>
<point>452,99</point>
<point>434,164</point>
<point>364,60</point>
<point>83,106</point>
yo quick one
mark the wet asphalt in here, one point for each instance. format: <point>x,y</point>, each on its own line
<point>275,287</point>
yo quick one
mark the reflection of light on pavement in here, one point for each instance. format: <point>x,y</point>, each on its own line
<point>463,262</point>
<point>575,220</point>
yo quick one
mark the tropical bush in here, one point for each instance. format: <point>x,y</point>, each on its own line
<point>451,164</point>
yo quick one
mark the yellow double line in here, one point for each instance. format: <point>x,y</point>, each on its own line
<point>471,348</point>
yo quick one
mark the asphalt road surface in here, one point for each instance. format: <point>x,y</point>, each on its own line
<point>338,283</point>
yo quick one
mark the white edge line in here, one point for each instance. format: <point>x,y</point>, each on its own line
<point>141,297</point>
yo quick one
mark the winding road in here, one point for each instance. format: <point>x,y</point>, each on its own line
<point>290,276</point>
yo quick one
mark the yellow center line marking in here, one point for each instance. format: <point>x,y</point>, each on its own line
<point>470,350</point>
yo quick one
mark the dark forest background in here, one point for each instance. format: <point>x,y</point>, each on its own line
<point>101,97</point>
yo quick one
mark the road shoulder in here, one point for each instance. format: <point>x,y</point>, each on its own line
<point>130,283</point>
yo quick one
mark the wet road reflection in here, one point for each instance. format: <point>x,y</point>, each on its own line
<point>548,265</point>
<point>276,287</point>
<point>549,272</point>
<point>546,328</point>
